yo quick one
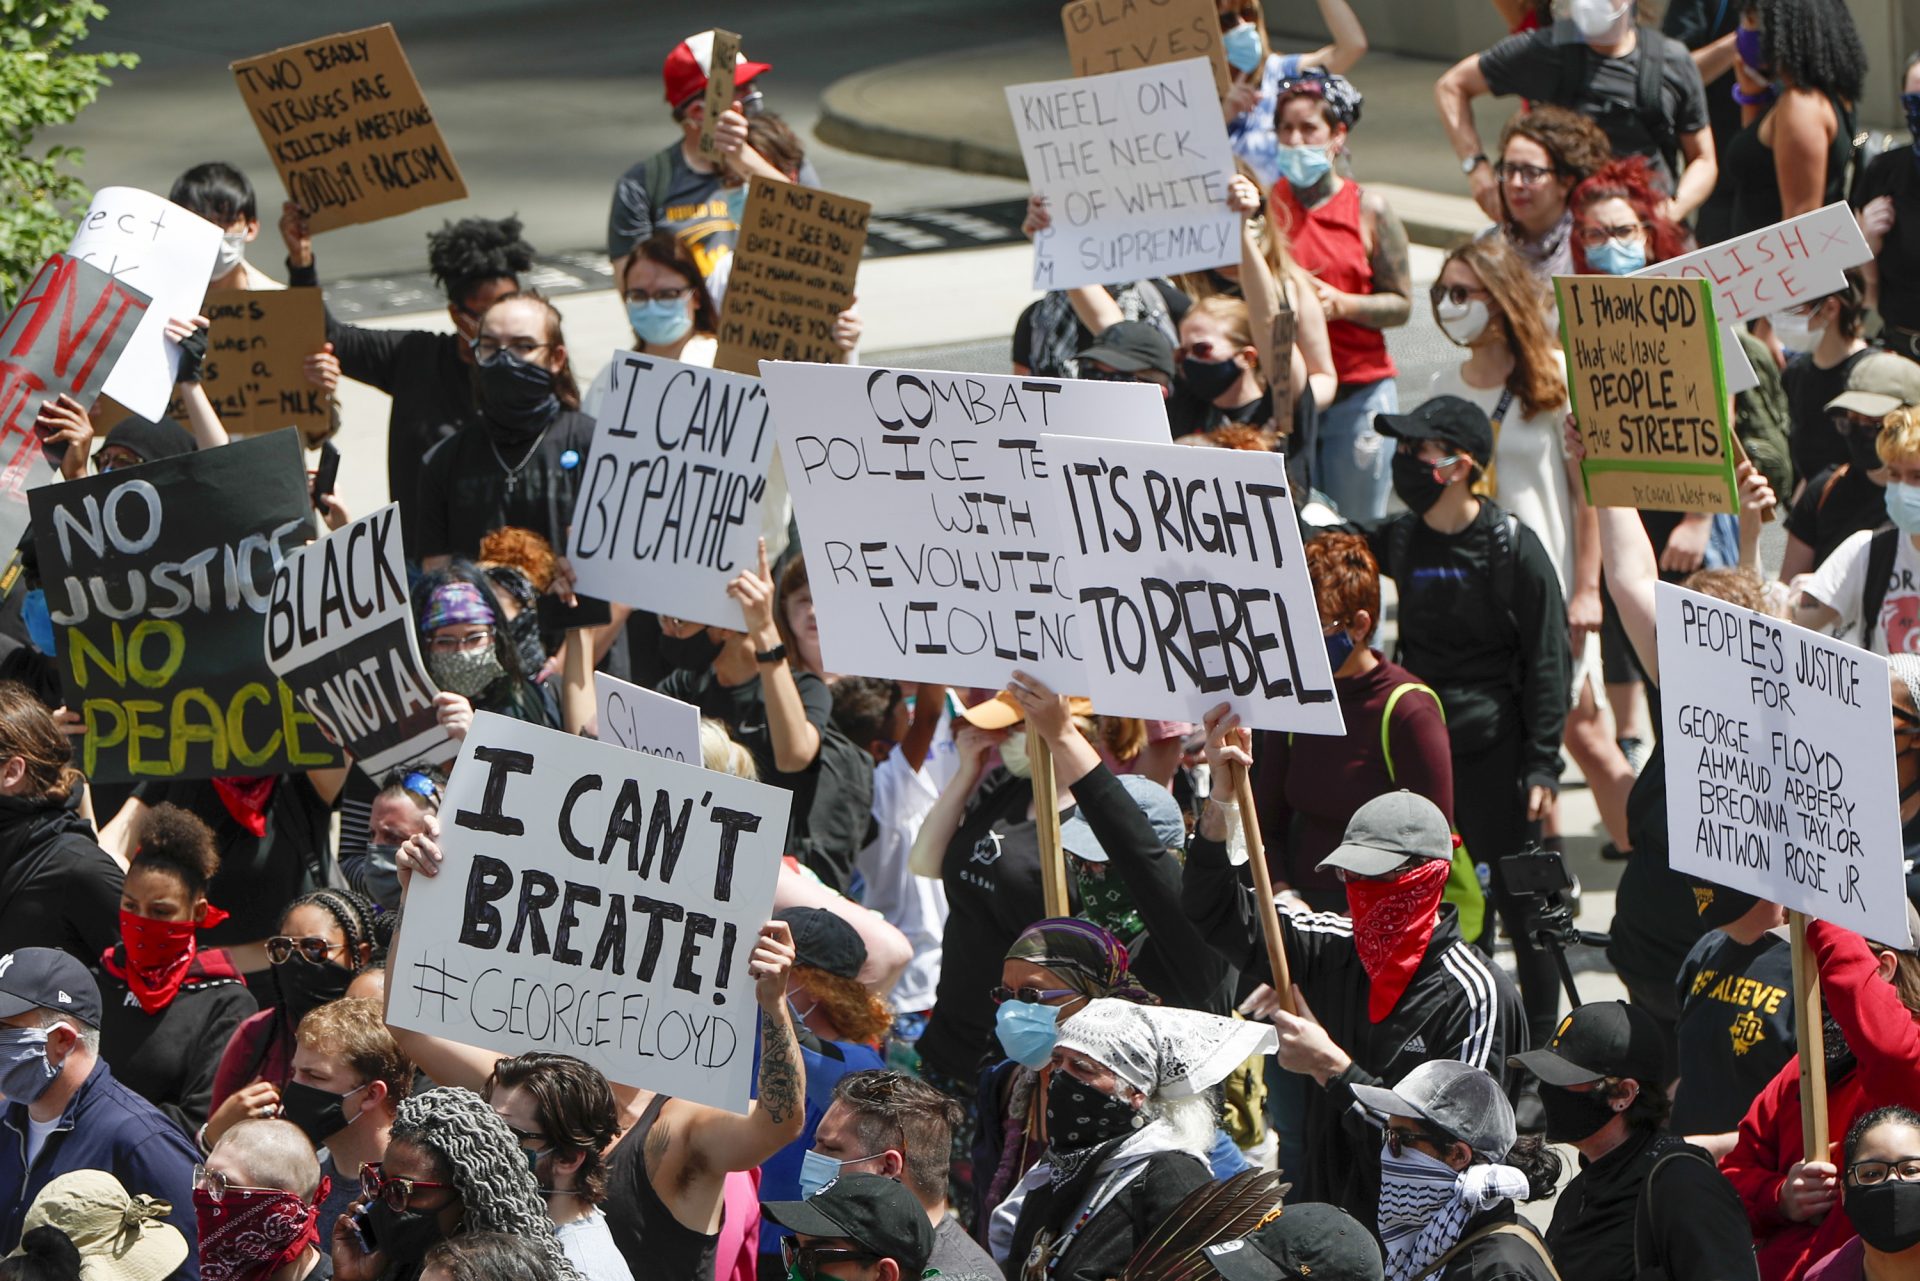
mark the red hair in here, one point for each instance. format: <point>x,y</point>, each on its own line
<point>1630,180</point>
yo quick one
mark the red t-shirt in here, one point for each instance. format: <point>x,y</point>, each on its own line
<point>1326,241</point>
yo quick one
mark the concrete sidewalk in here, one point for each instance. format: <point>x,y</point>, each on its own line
<point>950,110</point>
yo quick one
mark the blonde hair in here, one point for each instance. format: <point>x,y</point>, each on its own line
<point>719,752</point>
<point>1900,435</point>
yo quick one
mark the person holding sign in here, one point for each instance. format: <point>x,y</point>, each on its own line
<point>1259,73</point>
<point>472,656</point>
<point>1867,589</point>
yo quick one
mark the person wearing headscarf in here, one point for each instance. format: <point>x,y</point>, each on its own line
<point>471,652</point>
<point>452,1167</point>
<point>1129,1118</point>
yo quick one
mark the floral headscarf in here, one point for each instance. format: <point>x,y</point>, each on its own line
<point>1087,958</point>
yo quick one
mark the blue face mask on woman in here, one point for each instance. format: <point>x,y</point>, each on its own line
<point>1027,1032</point>
<point>1617,258</point>
<point>660,322</point>
<point>1304,167</point>
<point>1242,46</point>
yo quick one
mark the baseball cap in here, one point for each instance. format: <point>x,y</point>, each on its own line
<point>1001,712</point>
<point>685,70</point>
<point>824,941</point>
<point>1312,1241</point>
<point>1605,1038</point>
<point>120,1237</point>
<point>1458,423</point>
<point>1131,346</point>
<point>1453,1096</point>
<point>1156,802</point>
<point>46,978</point>
<point>1715,905</point>
<point>1387,831</point>
<point>1879,383</point>
<point>873,1212</point>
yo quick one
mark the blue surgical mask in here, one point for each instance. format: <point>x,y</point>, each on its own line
<point>1303,167</point>
<point>660,322</point>
<point>1242,45</point>
<point>25,1072</point>
<point>1903,506</point>
<point>818,1169</point>
<point>1339,648</point>
<point>39,621</point>
<point>1617,258</point>
<point>1027,1032</point>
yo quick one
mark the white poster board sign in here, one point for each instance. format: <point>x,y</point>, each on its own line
<point>1134,166</point>
<point>1780,764</point>
<point>166,253</point>
<point>1192,587</point>
<point>670,497</point>
<point>1787,264</point>
<point>594,902</point>
<point>919,494</point>
<point>643,721</point>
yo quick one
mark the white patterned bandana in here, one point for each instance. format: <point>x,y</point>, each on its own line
<point>1424,1204</point>
<point>1162,1051</point>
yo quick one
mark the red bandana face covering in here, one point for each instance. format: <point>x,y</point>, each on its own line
<point>1392,923</point>
<point>159,954</point>
<point>250,1232</point>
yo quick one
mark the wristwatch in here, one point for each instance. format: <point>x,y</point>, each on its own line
<point>777,654</point>
<point>1473,162</point>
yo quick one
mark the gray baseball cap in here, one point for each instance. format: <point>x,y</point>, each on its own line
<point>1156,802</point>
<point>1456,1097</point>
<point>1879,383</point>
<point>1387,831</point>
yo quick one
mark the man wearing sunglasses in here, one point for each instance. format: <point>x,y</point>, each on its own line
<point>862,1227</point>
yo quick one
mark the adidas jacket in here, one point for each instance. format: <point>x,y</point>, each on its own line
<point>1458,1005</point>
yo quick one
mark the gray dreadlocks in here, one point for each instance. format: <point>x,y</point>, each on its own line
<point>480,1156</point>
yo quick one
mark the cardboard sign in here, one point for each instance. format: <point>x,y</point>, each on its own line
<point>255,371</point>
<point>594,902</point>
<point>1105,35</point>
<point>1784,265</point>
<point>1780,763</point>
<point>643,721</point>
<point>1134,166</point>
<point>348,128</point>
<point>158,578</point>
<point>1192,586</point>
<point>669,503</point>
<point>166,253</point>
<point>722,60</point>
<point>1644,381</point>
<point>792,275</point>
<point>341,633</point>
<point>919,494</point>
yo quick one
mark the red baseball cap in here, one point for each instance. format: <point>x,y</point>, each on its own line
<point>685,71</point>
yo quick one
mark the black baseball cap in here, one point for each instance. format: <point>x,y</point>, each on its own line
<point>873,1212</point>
<point>1715,905</point>
<point>46,978</point>
<point>1131,346</point>
<point>824,941</point>
<point>1308,1241</point>
<point>1605,1038</point>
<point>1458,423</point>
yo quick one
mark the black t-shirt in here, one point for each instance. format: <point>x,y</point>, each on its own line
<point>464,491</point>
<point>1815,444</point>
<point>1736,1028</point>
<point>1835,505</point>
<point>1655,922</point>
<point>1529,65</point>
<point>1697,1227</point>
<point>1896,173</point>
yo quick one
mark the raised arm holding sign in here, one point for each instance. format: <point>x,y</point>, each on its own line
<point>1105,37</point>
<point>722,58</point>
<point>792,274</point>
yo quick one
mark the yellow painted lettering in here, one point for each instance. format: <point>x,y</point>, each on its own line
<point>292,718</point>
<point>175,641</point>
<point>252,692</point>
<point>80,648</point>
<point>137,762</point>
<point>212,730</point>
<point>94,712</point>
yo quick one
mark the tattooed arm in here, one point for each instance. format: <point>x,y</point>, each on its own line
<point>720,1141</point>
<point>1390,303</point>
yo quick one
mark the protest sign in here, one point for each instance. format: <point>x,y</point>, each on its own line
<point>1119,35</point>
<point>1644,382</point>
<point>1191,584</point>
<point>255,372</point>
<point>157,578</point>
<point>792,275</point>
<point>1780,763</point>
<point>340,632</point>
<point>669,502</point>
<point>1786,264</point>
<point>595,902</point>
<point>1134,166</point>
<point>919,494</point>
<point>348,128</point>
<point>722,58</point>
<point>166,253</point>
<point>643,721</point>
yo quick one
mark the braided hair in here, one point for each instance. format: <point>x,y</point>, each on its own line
<point>356,915</point>
<point>481,1158</point>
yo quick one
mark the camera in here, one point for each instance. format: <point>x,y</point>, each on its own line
<point>1541,877</point>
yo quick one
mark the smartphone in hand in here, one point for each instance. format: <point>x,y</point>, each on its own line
<point>326,476</point>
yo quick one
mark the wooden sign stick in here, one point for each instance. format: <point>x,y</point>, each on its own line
<point>1263,889</point>
<point>720,88</point>
<point>1808,1035</point>
<point>1046,817</point>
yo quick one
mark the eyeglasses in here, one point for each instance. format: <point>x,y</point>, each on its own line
<point>377,1185</point>
<point>215,1184</point>
<point>1031,995</point>
<point>1594,237</point>
<point>674,294</point>
<point>1865,1174</point>
<point>804,1260</point>
<point>1455,294</point>
<point>1525,175</point>
<point>313,949</point>
<point>460,645</point>
<point>1398,1139</point>
<point>487,350</point>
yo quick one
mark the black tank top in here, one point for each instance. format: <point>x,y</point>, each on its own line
<point>1747,170</point>
<point>652,1241</point>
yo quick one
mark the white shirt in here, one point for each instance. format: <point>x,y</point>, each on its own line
<point>589,1247</point>
<point>914,905</point>
<point>37,1134</point>
<point>1840,584</point>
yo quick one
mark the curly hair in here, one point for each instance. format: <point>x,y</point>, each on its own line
<point>1735,586</point>
<point>863,707</point>
<point>473,1149</point>
<point>27,730</point>
<point>1239,436</point>
<point>1632,181</point>
<point>488,1256</point>
<point>1538,1162</point>
<point>1815,43</point>
<point>175,841</point>
<point>1520,308</point>
<point>576,1110</point>
<point>467,254</point>
<point>1346,577</point>
<point>855,1010</point>
<point>523,549</point>
<point>1577,146</point>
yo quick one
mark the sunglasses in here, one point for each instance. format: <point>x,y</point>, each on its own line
<point>804,1260</point>
<point>1031,995</point>
<point>1455,294</point>
<point>377,1185</point>
<point>313,949</point>
<point>1399,1139</point>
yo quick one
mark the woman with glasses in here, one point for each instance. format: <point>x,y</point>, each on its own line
<point>1544,153</point>
<point>472,656</point>
<point>1880,1195</point>
<point>452,1167</point>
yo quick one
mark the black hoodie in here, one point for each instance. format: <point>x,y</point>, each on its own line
<point>58,888</point>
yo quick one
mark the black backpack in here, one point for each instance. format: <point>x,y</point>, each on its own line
<point>1873,593</point>
<point>1576,70</point>
<point>1501,557</point>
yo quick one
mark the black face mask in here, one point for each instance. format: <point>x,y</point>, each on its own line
<point>524,628</point>
<point>304,986</point>
<point>690,652</point>
<point>1863,450</point>
<point>404,1236</point>
<point>1208,379</point>
<point>316,1112</point>
<point>1413,481</point>
<point>1572,1117</point>
<point>1886,1215</point>
<point>516,396</point>
<point>1081,1117</point>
